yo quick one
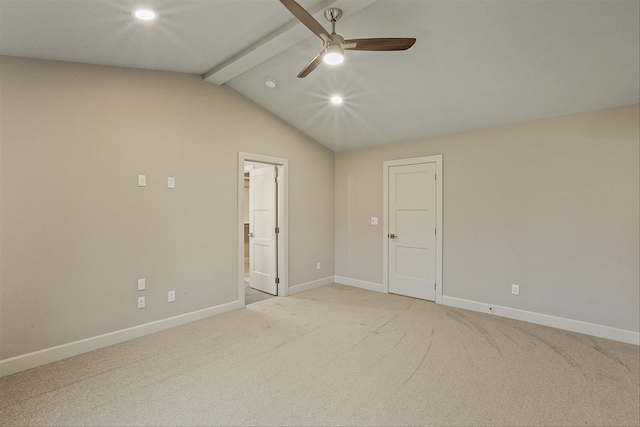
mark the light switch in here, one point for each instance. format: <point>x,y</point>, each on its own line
<point>142,180</point>
<point>171,182</point>
<point>374,220</point>
<point>142,285</point>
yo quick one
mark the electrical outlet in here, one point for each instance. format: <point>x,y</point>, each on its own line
<point>171,296</point>
<point>142,284</point>
<point>515,289</point>
<point>171,182</point>
<point>318,266</point>
<point>142,180</point>
<point>140,302</point>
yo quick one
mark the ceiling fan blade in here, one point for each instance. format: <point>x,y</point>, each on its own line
<point>380,44</point>
<point>306,18</point>
<point>311,65</point>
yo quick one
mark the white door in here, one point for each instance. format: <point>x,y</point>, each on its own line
<point>262,230</point>
<point>412,230</point>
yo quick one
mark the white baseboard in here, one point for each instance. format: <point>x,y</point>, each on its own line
<point>53,354</point>
<point>378,287</point>
<point>593,329</point>
<point>310,285</point>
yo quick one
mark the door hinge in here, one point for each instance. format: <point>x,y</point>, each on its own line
<point>277,280</point>
<point>435,231</point>
<point>434,287</point>
<point>277,179</point>
<point>436,177</point>
<point>277,230</point>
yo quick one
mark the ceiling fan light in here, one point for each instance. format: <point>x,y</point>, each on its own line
<point>334,55</point>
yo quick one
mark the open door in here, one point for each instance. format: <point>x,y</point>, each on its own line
<point>263,217</point>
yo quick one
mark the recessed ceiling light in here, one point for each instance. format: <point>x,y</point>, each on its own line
<point>336,99</point>
<point>270,82</point>
<point>145,14</point>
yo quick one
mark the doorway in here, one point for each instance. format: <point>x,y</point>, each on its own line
<point>412,260</point>
<point>262,227</point>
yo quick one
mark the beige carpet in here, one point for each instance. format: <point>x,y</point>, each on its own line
<point>338,356</point>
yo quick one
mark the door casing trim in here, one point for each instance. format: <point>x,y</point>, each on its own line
<point>283,221</point>
<point>437,159</point>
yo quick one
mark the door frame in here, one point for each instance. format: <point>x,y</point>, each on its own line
<point>283,223</point>
<point>437,159</point>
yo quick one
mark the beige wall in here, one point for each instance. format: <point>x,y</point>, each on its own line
<point>76,230</point>
<point>551,205</point>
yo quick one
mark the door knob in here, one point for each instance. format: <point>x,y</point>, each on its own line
<point>250,234</point>
<point>393,236</point>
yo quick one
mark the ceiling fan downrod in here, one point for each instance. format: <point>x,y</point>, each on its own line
<point>332,15</point>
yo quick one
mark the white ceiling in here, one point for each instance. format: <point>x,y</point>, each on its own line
<point>475,64</point>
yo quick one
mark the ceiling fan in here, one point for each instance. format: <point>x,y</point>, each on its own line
<point>334,44</point>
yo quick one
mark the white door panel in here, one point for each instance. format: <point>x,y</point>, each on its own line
<point>410,188</point>
<point>262,229</point>
<point>412,226</point>
<point>410,263</point>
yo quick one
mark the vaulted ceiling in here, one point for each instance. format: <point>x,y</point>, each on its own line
<point>475,64</point>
